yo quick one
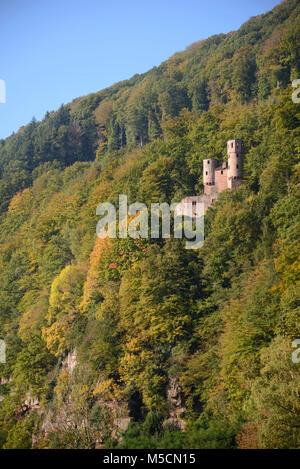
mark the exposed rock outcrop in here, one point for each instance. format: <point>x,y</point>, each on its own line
<point>70,361</point>
<point>177,407</point>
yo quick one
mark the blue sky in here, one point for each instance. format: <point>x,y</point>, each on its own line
<point>53,51</point>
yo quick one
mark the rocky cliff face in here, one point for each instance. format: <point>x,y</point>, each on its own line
<point>70,361</point>
<point>65,417</point>
<point>177,407</point>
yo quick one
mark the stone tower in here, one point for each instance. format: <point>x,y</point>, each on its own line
<point>235,163</point>
<point>209,166</point>
<point>216,178</point>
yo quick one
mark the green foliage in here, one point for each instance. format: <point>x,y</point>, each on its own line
<point>276,397</point>
<point>32,365</point>
<point>141,316</point>
<point>151,434</point>
<point>20,437</point>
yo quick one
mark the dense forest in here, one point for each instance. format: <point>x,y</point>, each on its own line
<point>141,343</point>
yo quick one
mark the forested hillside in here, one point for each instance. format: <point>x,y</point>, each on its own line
<point>193,346</point>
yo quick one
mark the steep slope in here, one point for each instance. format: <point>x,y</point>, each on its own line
<point>156,332</point>
<point>238,67</point>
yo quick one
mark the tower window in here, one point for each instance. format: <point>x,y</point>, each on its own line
<point>231,144</point>
<point>206,173</point>
<point>237,166</point>
<point>208,162</point>
<point>221,172</point>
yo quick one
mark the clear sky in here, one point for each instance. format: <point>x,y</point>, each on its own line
<point>52,51</point>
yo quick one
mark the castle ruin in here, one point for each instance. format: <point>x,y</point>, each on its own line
<point>217,178</point>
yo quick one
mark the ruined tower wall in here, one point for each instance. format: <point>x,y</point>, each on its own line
<point>209,166</point>
<point>235,163</point>
<point>221,183</point>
